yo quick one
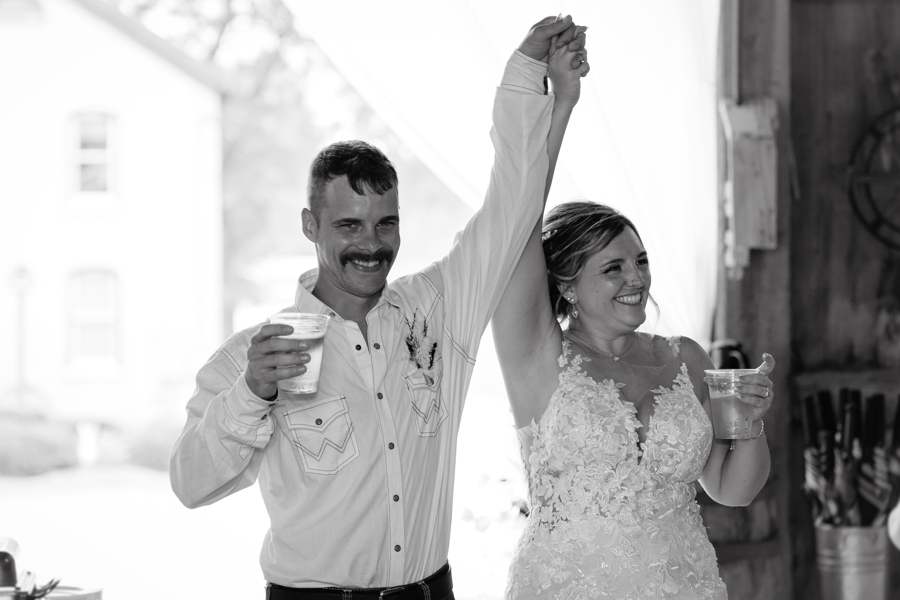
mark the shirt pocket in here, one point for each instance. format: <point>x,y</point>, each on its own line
<point>424,388</point>
<point>323,433</point>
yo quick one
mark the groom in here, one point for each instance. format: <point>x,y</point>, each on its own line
<point>357,477</point>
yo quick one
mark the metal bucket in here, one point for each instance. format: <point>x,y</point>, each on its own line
<point>853,562</point>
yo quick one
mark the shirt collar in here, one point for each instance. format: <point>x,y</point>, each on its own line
<point>304,301</point>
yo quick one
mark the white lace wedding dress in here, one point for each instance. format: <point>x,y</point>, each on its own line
<point>612,518</point>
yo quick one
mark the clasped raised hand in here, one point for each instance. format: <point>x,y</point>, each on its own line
<point>568,64</point>
<point>556,32</point>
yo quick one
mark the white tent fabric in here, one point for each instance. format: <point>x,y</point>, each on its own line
<point>643,138</point>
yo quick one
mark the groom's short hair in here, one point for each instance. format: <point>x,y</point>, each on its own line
<point>362,163</point>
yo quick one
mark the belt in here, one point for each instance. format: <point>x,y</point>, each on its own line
<point>438,586</point>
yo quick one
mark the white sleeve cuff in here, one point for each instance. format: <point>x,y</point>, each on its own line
<point>524,74</point>
<point>245,407</point>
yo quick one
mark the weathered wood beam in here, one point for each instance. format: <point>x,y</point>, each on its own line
<point>755,310</point>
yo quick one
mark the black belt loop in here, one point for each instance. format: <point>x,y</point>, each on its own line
<point>426,591</point>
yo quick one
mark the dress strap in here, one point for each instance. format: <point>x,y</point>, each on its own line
<point>565,352</point>
<point>674,344</point>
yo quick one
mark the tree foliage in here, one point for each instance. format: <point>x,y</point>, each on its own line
<point>286,101</point>
<point>270,131</point>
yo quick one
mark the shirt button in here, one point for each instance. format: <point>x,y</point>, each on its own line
<point>396,498</point>
<point>380,395</point>
<point>358,347</point>
<point>318,421</point>
<point>397,548</point>
<point>391,446</point>
<point>377,346</point>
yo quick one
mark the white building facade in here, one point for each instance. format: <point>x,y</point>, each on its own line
<point>110,215</point>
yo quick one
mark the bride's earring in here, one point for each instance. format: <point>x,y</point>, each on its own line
<point>574,310</point>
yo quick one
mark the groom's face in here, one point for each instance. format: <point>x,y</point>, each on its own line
<point>357,237</point>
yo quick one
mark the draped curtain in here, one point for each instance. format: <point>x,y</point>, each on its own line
<point>642,139</point>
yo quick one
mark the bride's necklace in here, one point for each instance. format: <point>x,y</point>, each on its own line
<point>615,357</point>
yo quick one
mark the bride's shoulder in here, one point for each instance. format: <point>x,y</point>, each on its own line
<point>670,344</point>
<point>694,354</point>
<point>678,348</point>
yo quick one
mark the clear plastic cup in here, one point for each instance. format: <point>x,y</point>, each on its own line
<point>732,419</point>
<point>310,327</point>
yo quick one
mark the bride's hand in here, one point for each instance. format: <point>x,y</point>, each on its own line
<point>567,65</point>
<point>757,388</point>
<point>546,34</point>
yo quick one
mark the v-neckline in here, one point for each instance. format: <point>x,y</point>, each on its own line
<point>624,403</point>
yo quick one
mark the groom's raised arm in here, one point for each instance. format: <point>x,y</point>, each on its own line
<point>475,272</point>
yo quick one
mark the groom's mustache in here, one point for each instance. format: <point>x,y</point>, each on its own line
<point>382,254</point>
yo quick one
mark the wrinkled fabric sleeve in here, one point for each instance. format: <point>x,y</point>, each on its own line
<point>220,449</point>
<point>479,266</point>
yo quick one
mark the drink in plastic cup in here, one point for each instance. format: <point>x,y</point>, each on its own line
<point>310,327</point>
<point>732,419</point>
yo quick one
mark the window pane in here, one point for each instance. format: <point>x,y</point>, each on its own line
<point>93,178</point>
<point>94,340</point>
<point>93,132</point>
<point>94,292</point>
<point>93,315</point>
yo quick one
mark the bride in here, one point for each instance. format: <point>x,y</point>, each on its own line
<point>614,424</point>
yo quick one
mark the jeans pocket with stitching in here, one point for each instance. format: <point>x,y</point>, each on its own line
<point>323,433</point>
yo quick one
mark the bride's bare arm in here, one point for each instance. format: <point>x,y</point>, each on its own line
<point>526,333</point>
<point>735,477</point>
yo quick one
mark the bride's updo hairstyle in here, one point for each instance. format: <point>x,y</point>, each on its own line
<point>572,233</point>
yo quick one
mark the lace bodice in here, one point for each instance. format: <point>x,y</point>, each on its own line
<point>612,518</point>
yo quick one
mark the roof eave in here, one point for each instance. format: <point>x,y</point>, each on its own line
<point>204,73</point>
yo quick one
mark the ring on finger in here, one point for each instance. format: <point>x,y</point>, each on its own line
<point>768,392</point>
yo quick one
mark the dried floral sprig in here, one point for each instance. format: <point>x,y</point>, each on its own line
<point>422,349</point>
<point>431,354</point>
<point>412,342</point>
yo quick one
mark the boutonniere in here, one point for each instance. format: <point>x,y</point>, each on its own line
<point>423,349</point>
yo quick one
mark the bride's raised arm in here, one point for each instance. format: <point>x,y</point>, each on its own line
<point>525,330</point>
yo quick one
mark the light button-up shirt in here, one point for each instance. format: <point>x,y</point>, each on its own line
<point>358,477</point>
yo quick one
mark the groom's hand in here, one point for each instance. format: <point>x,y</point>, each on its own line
<point>536,44</point>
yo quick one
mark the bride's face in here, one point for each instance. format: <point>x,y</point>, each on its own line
<point>613,288</point>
